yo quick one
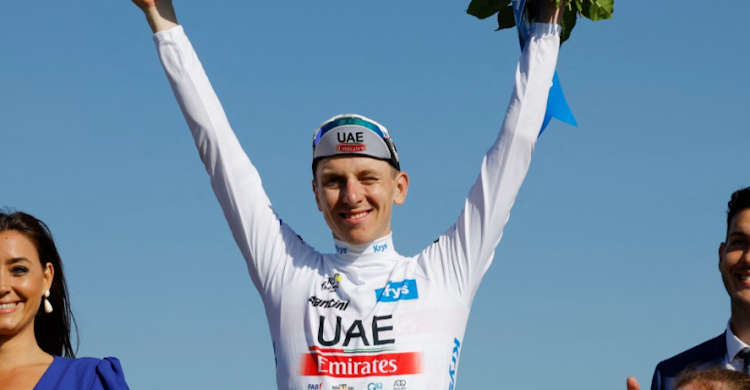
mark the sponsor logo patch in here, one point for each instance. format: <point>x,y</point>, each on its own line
<point>344,148</point>
<point>376,333</point>
<point>315,386</point>
<point>350,142</point>
<point>372,353</point>
<point>331,284</point>
<point>328,303</point>
<point>399,384</point>
<point>342,387</point>
<point>454,363</point>
<point>340,363</point>
<point>374,386</point>
<point>397,291</point>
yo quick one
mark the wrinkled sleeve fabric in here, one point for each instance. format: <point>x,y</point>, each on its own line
<point>265,242</point>
<point>83,374</point>
<point>109,375</point>
<point>460,257</point>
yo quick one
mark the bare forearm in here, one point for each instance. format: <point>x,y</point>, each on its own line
<point>161,16</point>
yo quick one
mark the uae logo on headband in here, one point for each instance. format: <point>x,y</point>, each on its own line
<point>350,142</point>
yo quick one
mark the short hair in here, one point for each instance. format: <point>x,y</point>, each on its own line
<point>739,202</point>
<point>52,330</point>
<point>713,379</point>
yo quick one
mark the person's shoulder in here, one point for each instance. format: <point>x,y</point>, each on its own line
<point>705,352</point>
<point>88,372</point>
<point>87,362</point>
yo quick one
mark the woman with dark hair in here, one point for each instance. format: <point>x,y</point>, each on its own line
<point>36,351</point>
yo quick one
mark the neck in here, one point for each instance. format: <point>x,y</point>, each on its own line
<point>740,323</point>
<point>381,245</point>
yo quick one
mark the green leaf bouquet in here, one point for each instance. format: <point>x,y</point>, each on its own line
<point>591,9</point>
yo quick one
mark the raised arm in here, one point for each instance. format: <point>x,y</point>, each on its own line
<point>265,243</point>
<point>460,257</point>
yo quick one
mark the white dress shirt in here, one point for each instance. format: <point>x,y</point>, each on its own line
<point>734,346</point>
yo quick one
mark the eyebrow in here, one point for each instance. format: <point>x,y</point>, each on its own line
<point>369,172</point>
<point>16,260</point>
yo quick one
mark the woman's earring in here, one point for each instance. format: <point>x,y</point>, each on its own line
<point>47,305</point>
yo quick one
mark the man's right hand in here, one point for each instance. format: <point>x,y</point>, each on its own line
<point>633,384</point>
<point>145,4</point>
<point>159,13</point>
<point>548,12</point>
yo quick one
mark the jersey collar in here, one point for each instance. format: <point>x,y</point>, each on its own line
<point>381,247</point>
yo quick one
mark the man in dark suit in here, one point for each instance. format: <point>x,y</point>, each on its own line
<point>726,350</point>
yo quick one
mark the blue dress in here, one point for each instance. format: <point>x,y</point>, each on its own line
<point>83,374</point>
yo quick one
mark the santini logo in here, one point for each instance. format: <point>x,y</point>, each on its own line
<point>396,291</point>
<point>328,303</point>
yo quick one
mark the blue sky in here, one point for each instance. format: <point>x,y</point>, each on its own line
<point>608,264</point>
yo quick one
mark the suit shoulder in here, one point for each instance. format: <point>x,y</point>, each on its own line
<point>700,354</point>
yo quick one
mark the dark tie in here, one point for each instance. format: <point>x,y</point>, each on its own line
<point>745,355</point>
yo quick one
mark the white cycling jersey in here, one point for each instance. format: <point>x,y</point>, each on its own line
<point>365,317</point>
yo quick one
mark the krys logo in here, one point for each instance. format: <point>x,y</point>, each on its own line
<point>331,284</point>
<point>396,291</point>
<point>351,142</point>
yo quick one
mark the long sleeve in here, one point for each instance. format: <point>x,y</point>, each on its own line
<point>264,241</point>
<point>461,256</point>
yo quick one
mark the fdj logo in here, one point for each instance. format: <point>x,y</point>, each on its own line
<point>375,386</point>
<point>331,284</point>
<point>396,291</point>
<point>315,386</point>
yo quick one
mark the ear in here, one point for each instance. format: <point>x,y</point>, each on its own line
<point>315,192</point>
<point>402,188</point>
<point>721,253</point>
<point>49,276</point>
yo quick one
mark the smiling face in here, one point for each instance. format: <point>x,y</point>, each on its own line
<point>356,196</point>
<point>23,281</point>
<point>734,261</point>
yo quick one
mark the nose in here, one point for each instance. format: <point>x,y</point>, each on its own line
<point>352,193</point>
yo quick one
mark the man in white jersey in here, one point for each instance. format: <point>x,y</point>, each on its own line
<point>364,315</point>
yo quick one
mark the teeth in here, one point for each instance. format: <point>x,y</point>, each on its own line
<point>359,215</point>
<point>8,305</point>
<point>745,277</point>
